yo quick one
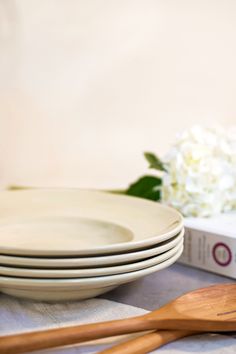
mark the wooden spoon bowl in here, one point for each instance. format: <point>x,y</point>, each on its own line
<point>207,309</point>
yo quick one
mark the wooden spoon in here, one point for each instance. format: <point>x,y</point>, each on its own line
<point>207,310</point>
<point>147,342</point>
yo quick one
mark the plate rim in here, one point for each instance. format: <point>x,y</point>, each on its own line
<point>72,262</point>
<point>94,282</point>
<point>90,272</point>
<point>114,248</point>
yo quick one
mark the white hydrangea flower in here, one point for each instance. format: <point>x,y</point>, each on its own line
<point>201,172</point>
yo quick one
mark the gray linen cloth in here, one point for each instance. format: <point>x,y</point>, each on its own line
<point>18,315</point>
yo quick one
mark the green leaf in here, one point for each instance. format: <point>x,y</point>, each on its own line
<point>154,161</point>
<point>147,187</point>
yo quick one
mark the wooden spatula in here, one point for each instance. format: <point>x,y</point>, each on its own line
<point>147,342</point>
<point>207,310</point>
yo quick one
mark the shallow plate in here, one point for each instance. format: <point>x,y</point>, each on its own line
<point>43,222</point>
<point>91,272</point>
<point>72,289</point>
<point>100,261</point>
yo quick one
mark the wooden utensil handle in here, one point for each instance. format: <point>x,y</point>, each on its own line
<point>147,343</point>
<point>26,342</point>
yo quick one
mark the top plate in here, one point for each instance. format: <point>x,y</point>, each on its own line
<point>73,222</point>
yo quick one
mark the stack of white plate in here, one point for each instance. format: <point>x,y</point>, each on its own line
<point>75,244</point>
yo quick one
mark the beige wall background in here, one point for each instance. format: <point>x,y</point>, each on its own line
<point>87,85</point>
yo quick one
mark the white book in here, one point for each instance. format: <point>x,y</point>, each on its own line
<point>210,244</point>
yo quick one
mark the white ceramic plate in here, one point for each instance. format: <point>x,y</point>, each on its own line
<point>91,272</point>
<point>67,222</point>
<point>74,289</point>
<point>93,261</point>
